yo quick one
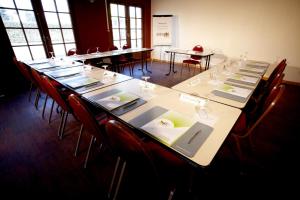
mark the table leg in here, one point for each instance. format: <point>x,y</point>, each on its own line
<point>174,71</point>
<point>171,59</point>
<point>147,65</point>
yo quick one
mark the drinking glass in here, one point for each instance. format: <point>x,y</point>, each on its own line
<point>52,59</point>
<point>52,54</point>
<point>105,70</point>
<point>146,81</point>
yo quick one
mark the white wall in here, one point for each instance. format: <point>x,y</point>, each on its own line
<point>266,29</point>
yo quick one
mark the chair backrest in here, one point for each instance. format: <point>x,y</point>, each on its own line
<point>125,141</point>
<point>23,69</point>
<point>275,82</point>
<point>278,70</point>
<point>72,52</point>
<point>113,48</point>
<point>54,93</point>
<point>83,114</point>
<point>127,145</point>
<point>38,80</point>
<point>126,46</point>
<point>197,48</point>
<point>268,105</point>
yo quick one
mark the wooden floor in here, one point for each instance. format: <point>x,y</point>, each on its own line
<point>35,163</point>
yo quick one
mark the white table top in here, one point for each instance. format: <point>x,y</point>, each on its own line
<point>110,78</point>
<point>205,83</point>
<point>223,116</point>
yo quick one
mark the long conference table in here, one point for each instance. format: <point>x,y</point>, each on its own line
<point>185,119</point>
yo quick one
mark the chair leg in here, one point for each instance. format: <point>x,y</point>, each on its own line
<point>181,68</point>
<point>64,125</point>
<point>78,141</point>
<point>45,103</point>
<point>114,177</point>
<point>61,123</point>
<point>49,121</point>
<point>88,152</point>
<point>120,180</point>
<point>36,101</point>
<point>30,91</point>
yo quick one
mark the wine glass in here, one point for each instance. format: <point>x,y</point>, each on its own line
<point>105,70</point>
<point>146,81</point>
<point>97,51</point>
<point>52,54</point>
<point>202,108</point>
<point>52,58</point>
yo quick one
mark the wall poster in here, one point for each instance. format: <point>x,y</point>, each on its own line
<point>162,30</point>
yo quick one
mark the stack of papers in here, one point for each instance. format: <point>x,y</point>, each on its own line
<point>117,100</point>
<point>80,81</point>
<point>237,91</point>
<point>246,79</point>
<point>168,127</point>
<point>43,66</point>
<point>253,70</point>
<point>66,72</point>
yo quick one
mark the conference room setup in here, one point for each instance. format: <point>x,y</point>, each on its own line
<point>149,99</point>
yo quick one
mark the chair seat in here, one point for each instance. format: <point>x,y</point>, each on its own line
<point>190,61</point>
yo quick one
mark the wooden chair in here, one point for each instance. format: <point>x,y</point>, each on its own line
<point>194,59</point>
<point>146,160</point>
<point>244,129</point>
<point>89,123</point>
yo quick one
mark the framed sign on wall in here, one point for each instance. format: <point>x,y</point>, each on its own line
<point>162,32</point>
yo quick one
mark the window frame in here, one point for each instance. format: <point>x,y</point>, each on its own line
<point>42,27</point>
<point>128,25</point>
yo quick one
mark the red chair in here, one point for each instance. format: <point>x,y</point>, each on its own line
<point>194,59</point>
<point>145,160</point>
<point>244,129</point>
<point>26,73</point>
<point>72,51</point>
<point>60,97</point>
<point>89,123</point>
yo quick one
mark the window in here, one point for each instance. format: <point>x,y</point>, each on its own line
<point>135,14</point>
<point>126,25</point>
<point>25,25</point>
<point>59,23</point>
<point>22,29</point>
